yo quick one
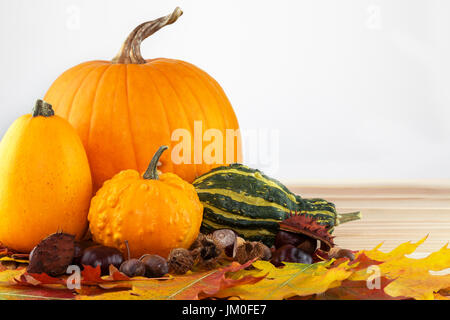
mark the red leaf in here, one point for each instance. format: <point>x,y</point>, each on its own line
<point>364,262</point>
<point>91,275</point>
<point>36,279</point>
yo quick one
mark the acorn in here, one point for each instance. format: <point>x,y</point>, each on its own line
<point>132,267</point>
<point>155,266</point>
<point>102,256</point>
<point>52,255</point>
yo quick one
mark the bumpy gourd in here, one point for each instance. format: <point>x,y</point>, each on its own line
<point>154,213</point>
<point>45,180</point>
<point>253,205</point>
<point>126,108</point>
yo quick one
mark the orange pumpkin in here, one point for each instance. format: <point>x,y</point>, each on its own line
<point>154,213</point>
<point>126,108</point>
<point>45,181</point>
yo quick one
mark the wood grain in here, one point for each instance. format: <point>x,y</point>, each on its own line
<point>393,212</point>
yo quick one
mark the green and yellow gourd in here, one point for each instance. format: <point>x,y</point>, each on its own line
<point>252,204</point>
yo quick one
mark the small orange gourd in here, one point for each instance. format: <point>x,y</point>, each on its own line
<point>45,180</point>
<point>154,213</point>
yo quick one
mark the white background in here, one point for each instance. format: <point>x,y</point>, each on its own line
<point>355,89</point>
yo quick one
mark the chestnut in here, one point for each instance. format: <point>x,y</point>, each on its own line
<point>285,237</point>
<point>132,267</point>
<point>79,247</point>
<point>289,253</point>
<point>303,242</point>
<point>155,266</point>
<point>102,256</point>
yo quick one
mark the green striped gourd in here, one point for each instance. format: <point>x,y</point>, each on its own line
<point>252,204</point>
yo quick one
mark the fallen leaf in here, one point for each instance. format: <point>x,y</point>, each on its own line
<point>294,279</point>
<point>10,290</point>
<point>36,279</point>
<point>358,290</point>
<point>411,277</point>
<point>186,287</point>
<point>9,259</point>
<point>399,277</point>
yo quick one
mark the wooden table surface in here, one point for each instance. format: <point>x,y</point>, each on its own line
<point>392,212</point>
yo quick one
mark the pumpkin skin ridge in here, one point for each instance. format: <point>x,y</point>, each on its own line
<point>150,76</point>
<point>191,71</point>
<point>84,75</point>
<point>80,73</point>
<point>93,76</point>
<point>130,128</point>
<point>217,110</point>
<point>122,92</point>
<point>230,113</point>
<point>77,90</point>
<point>208,88</point>
<point>203,78</point>
<point>205,123</point>
<point>99,114</point>
<point>190,121</point>
<point>82,97</point>
<point>111,113</point>
<point>99,84</point>
<point>218,91</point>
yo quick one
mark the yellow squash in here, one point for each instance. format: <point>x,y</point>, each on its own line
<point>45,180</point>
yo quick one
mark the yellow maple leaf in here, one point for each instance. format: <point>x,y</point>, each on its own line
<point>402,250</point>
<point>294,279</point>
<point>412,277</point>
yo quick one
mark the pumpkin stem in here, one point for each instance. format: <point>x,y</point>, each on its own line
<point>42,108</point>
<point>131,48</point>
<point>151,173</point>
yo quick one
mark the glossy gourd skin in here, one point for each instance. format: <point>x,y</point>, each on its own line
<point>252,204</point>
<point>154,214</point>
<point>125,109</point>
<point>45,181</point>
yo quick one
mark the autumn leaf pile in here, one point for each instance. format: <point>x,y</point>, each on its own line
<point>372,275</point>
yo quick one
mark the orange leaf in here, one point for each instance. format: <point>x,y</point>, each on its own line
<point>36,279</point>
